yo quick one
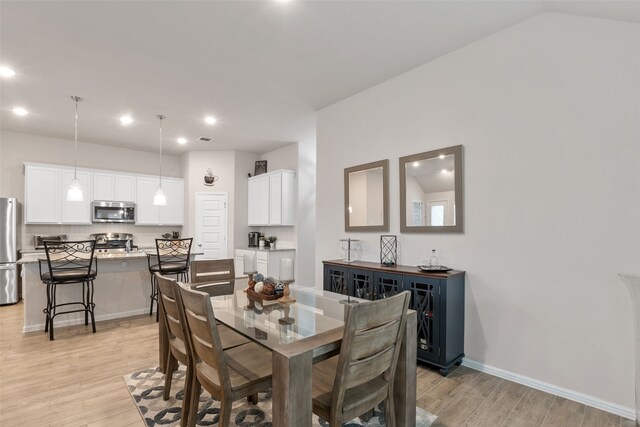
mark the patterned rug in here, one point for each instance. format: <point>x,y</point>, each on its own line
<point>146,388</point>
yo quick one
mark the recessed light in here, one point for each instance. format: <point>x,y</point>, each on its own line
<point>182,141</point>
<point>19,111</point>
<point>210,120</point>
<point>416,164</point>
<point>126,120</point>
<point>7,72</point>
<point>444,171</point>
<point>441,156</point>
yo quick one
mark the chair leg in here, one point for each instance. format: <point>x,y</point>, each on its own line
<point>225,412</point>
<point>47,310</point>
<point>153,292</point>
<point>253,399</point>
<point>92,306</point>
<point>196,389</point>
<point>186,401</point>
<point>389,412</point>
<point>168,376</point>
<point>52,312</point>
<point>85,301</point>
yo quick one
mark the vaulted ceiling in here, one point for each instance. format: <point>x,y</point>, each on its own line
<point>262,68</point>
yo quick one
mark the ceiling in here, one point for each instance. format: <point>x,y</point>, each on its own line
<point>262,68</point>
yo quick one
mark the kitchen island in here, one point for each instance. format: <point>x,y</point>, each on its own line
<point>121,289</point>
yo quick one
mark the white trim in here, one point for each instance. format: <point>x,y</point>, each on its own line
<point>80,321</point>
<point>553,389</point>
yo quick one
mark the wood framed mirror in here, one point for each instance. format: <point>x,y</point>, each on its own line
<point>431,192</point>
<point>366,197</point>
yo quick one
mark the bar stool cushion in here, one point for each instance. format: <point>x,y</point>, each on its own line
<point>69,275</point>
<point>168,267</point>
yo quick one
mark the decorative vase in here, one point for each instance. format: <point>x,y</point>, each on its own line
<point>632,281</point>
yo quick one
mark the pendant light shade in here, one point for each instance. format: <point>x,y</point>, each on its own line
<point>159,199</point>
<point>74,192</point>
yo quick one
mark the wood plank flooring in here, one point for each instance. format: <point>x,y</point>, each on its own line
<point>76,380</point>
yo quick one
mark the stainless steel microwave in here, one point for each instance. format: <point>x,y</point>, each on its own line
<point>107,211</point>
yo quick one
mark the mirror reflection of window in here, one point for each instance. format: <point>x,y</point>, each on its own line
<point>432,183</point>
<point>418,212</point>
<point>436,214</point>
<point>366,202</point>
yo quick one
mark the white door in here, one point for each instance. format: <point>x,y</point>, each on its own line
<point>211,225</point>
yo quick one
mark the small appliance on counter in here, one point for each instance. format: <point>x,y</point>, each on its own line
<point>10,239</point>
<point>254,238</point>
<point>113,242</point>
<point>39,238</point>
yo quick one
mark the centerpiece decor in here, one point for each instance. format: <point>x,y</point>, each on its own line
<point>286,277</point>
<point>250,270</point>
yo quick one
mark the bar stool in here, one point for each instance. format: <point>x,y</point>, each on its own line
<point>172,257</point>
<point>68,263</point>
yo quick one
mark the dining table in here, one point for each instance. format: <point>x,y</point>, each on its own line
<point>300,334</point>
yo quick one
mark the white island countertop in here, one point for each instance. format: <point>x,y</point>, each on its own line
<point>31,257</point>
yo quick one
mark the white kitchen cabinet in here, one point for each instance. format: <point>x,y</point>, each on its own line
<point>76,212</point>
<point>149,214</point>
<point>267,261</point>
<point>172,213</point>
<point>42,194</point>
<point>114,187</point>
<point>271,198</point>
<point>146,212</point>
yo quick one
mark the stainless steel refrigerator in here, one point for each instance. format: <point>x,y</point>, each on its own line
<point>10,241</point>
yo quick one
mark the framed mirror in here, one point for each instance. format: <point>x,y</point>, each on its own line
<point>431,192</point>
<point>366,197</point>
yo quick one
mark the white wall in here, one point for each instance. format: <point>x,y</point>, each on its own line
<point>195,165</point>
<point>21,147</point>
<point>245,164</point>
<point>547,111</point>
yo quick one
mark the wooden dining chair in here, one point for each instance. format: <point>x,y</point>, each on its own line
<point>229,374</point>
<point>214,277</point>
<point>361,376</point>
<point>179,348</point>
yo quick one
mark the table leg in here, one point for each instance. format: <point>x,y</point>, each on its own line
<point>291,390</point>
<point>405,378</point>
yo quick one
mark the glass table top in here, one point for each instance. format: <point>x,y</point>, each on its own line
<point>271,323</point>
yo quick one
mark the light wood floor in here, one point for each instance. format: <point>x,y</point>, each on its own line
<point>76,380</point>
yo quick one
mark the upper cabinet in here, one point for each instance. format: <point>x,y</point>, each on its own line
<point>272,198</point>
<point>149,214</point>
<point>76,212</point>
<point>114,187</point>
<point>42,194</point>
<point>46,190</point>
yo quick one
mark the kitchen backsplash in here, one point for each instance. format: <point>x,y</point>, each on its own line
<point>143,236</point>
<point>286,235</point>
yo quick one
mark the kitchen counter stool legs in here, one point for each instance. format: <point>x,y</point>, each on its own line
<point>69,263</point>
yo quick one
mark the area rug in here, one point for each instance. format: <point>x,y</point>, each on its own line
<point>146,388</point>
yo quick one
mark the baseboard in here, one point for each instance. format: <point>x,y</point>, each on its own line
<point>80,321</point>
<point>552,389</point>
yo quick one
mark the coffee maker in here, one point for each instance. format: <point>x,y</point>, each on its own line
<point>254,238</point>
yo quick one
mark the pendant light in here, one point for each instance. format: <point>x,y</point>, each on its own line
<point>74,192</point>
<point>160,199</point>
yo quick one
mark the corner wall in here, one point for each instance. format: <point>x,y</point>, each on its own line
<point>547,111</point>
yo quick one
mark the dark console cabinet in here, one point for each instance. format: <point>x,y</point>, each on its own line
<point>437,297</point>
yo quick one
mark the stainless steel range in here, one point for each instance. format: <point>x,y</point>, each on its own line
<point>113,242</point>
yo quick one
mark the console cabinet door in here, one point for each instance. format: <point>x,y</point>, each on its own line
<point>361,283</point>
<point>42,195</point>
<point>425,300</point>
<point>336,279</point>
<point>386,284</point>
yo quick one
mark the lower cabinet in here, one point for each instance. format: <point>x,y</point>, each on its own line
<point>437,298</point>
<point>267,261</point>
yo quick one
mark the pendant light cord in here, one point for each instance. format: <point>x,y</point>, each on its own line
<point>75,150</point>
<point>161,117</point>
